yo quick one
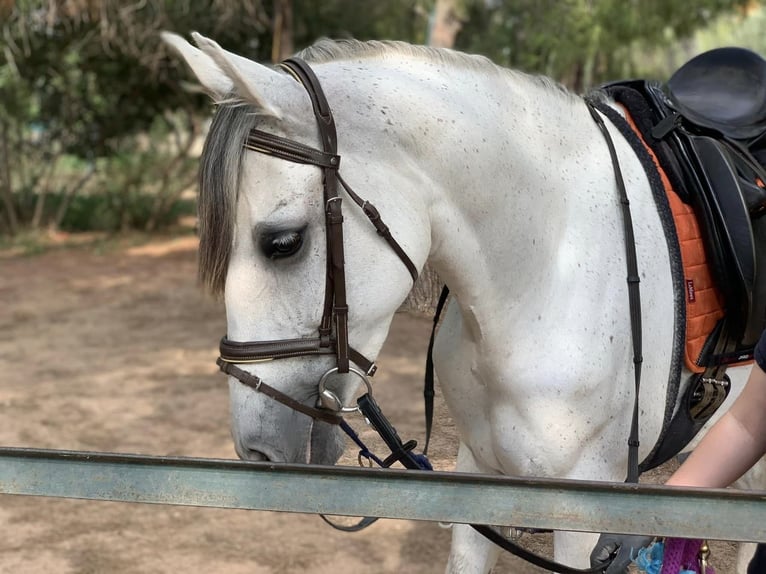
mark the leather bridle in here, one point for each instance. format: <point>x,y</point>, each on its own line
<point>332,336</point>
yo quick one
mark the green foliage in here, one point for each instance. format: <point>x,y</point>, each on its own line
<point>96,132</point>
<point>111,211</point>
<point>84,79</point>
<point>89,79</point>
<point>361,19</point>
<point>743,29</point>
<point>581,42</point>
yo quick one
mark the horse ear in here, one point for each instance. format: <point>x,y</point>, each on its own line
<point>224,74</point>
<point>215,82</point>
<point>246,75</point>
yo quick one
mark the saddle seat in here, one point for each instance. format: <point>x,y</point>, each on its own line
<point>723,90</point>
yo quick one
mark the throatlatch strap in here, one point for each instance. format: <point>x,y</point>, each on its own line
<point>373,215</point>
<point>634,294</point>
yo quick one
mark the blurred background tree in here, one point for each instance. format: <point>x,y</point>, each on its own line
<point>96,134</point>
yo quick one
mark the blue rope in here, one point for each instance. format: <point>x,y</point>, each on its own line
<point>649,559</point>
<point>365,452</point>
<point>422,461</point>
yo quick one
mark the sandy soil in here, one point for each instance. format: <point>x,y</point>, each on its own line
<point>112,348</point>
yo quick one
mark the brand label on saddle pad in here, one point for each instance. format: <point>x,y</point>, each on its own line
<point>690,291</point>
<point>704,303</point>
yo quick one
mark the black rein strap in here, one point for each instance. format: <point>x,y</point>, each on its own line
<point>634,293</point>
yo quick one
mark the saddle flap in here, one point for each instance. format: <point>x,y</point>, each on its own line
<point>729,235</point>
<point>722,89</point>
<point>726,196</point>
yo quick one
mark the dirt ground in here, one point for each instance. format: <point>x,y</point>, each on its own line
<point>111,347</point>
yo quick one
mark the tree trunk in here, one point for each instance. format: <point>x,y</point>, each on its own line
<point>12,219</point>
<point>39,212</point>
<point>282,45</point>
<point>446,23</point>
<point>165,200</point>
<point>70,193</point>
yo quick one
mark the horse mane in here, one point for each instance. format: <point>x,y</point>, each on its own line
<point>326,50</point>
<point>222,154</point>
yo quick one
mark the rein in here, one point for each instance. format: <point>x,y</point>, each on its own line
<point>634,293</point>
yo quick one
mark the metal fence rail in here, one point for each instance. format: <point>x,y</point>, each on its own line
<point>438,496</point>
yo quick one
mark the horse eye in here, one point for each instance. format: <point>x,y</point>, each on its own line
<point>281,245</point>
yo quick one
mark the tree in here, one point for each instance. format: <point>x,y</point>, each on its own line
<point>446,21</point>
<point>282,44</point>
<point>581,42</point>
<point>83,81</point>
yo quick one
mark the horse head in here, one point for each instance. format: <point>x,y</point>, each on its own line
<point>271,241</point>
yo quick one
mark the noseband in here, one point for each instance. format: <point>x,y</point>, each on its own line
<point>332,336</point>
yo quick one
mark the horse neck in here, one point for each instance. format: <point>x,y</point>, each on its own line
<point>500,163</point>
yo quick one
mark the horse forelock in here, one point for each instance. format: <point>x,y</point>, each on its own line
<point>220,164</point>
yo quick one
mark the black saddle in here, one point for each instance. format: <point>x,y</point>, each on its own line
<point>706,126</point>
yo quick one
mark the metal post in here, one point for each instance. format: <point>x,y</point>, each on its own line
<point>435,496</point>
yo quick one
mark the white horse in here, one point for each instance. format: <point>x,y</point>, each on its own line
<point>504,183</point>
